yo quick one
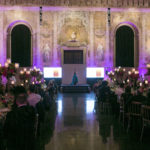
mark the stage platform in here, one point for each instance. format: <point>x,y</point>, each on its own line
<point>79,88</point>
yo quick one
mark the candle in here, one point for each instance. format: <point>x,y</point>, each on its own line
<point>6,64</point>
<point>26,81</point>
<point>136,72</point>
<point>124,69</point>
<point>13,82</point>
<point>33,83</point>
<point>129,72</point>
<point>16,65</point>
<point>21,72</point>
<point>140,84</point>
<point>22,84</point>
<point>128,80</point>
<point>148,65</point>
<point>146,82</point>
<point>28,72</point>
<point>25,69</point>
<point>8,60</point>
<point>133,69</point>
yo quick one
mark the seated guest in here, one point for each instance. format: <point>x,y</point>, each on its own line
<point>147,100</point>
<point>127,96</point>
<point>51,89</point>
<point>104,91</point>
<point>19,127</point>
<point>97,85</point>
<point>119,90</point>
<point>16,91</point>
<point>33,98</point>
<point>139,97</point>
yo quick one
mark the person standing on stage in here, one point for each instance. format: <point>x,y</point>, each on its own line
<point>74,79</point>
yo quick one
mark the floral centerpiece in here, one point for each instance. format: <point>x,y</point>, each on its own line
<point>133,75</point>
<point>118,75</point>
<point>6,101</point>
<point>119,72</point>
<point>25,76</point>
<point>111,75</point>
<point>9,69</point>
<point>36,75</point>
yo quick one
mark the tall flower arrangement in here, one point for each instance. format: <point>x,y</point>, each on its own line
<point>32,76</point>
<point>25,76</point>
<point>133,77</point>
<point>9,69</point>
<point>36,75</point>
<point>118,75</point>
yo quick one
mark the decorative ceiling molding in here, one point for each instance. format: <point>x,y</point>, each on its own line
<point>82,3</point>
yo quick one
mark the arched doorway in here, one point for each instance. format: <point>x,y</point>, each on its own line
<point>125,47</point>
<point>21,45</point>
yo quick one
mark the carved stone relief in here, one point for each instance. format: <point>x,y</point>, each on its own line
<point>73,21</point>
<point>46,38</point>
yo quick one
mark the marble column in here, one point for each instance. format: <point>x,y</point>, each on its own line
<point>91,39</point>
<point>109,53</point>
<point>36,52</point>
<point>107,44</point>
<point>3,40</point>
<point>55,52</point>
<point>143,52</point>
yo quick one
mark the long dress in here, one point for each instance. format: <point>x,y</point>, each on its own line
<point>74,79</point>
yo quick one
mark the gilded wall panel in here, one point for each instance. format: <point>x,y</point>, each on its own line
<point>147,55</point>
<point>46,38</point>
<point>99,37</point>
<point>69,22</point>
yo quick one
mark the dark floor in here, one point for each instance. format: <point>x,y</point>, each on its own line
<point>79,126</point>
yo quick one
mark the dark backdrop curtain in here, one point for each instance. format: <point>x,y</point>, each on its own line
<point>21,45</point>
<point>73,56</point>
<point>125,47</point>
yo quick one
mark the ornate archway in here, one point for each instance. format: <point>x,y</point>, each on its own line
<point>19,43</point>
<point>126,49</point>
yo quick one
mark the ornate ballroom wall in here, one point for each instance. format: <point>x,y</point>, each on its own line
<point>88,19</point>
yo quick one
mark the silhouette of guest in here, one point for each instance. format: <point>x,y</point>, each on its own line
<point>74,79</point>
<point>19,127</point>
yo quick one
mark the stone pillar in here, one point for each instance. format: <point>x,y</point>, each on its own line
<point>91,39</point>
<point>143,52</point>
<point>36,52</point>
<point>109,53</point>
<point>3,40</point>
<point>55,52</point>
<point>107,43</point>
